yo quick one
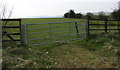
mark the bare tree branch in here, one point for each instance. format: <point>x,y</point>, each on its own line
<point>5,13</point>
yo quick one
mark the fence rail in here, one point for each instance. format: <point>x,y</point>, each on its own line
<point>11,27</point>
<point>11,19</point>
<point>55,42</point>
<point>103,26</point>
<point>107,24</point>
<point>102,19</point>
<point>56,22</point>
<point>104,29</point>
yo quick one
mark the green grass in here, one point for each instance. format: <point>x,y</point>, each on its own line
<point>94,52</point>
<point>97,51</point>
<point>46,20</point>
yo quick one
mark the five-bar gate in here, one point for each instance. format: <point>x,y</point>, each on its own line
<point>54,32</point>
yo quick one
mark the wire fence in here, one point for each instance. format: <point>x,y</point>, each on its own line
<point>47,33</point>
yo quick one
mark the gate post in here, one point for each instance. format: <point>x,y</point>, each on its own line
<point>0,44</point>
<point>0,34</point>
<point>20,31</point>
<point>118,26</point>
<point>106,25</point>
<point>87,26</point>
<point>24,35</point>
<point>76,26</point>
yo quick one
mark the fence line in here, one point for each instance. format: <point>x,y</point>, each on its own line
<point>105,25</point>
<point>70,28</point>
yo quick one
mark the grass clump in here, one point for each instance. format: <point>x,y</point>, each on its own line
<point>92,52</point>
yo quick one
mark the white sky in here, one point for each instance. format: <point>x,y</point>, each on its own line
<point>31,8</point>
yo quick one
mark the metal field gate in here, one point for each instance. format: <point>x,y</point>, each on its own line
<point>54,32</point>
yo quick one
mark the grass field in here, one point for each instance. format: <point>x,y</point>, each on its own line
<point>100,51</point>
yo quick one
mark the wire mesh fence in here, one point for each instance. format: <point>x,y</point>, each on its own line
<point>47,33</point>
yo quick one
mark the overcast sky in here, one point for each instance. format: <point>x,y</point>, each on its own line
<point>32,8</point>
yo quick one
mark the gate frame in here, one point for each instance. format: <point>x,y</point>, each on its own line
<point>8,34</point>
<point>25,28</point>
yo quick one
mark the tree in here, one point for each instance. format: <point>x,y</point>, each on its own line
<point>116,13</point>
<point>66,15</point>
<point>89,14</point>
<point>5,12</point>
<point>102,15</point>
<point>72,14</point>
<point>78,15</point>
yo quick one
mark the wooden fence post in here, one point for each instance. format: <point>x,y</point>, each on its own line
<point>118,26</point>
<point>26,34</point>
<point>106,25</point>
<point>22,35</point>
<point>77,29</point>
<point>87,26</point>
<point>20,31</point>
<point>0,34</point>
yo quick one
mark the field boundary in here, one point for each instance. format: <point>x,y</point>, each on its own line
<point>86,25</point>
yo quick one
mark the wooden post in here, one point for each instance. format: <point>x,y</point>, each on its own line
<point>20,31</point>
<point>0,34</point>
<point>105,25</point>
<point>118,26</point>
<point>0,43</point>
<point>26,34</point>
<point>77,29</point>
<point>87,26</point>
<point>119,20</point>
<point>22,35</point>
